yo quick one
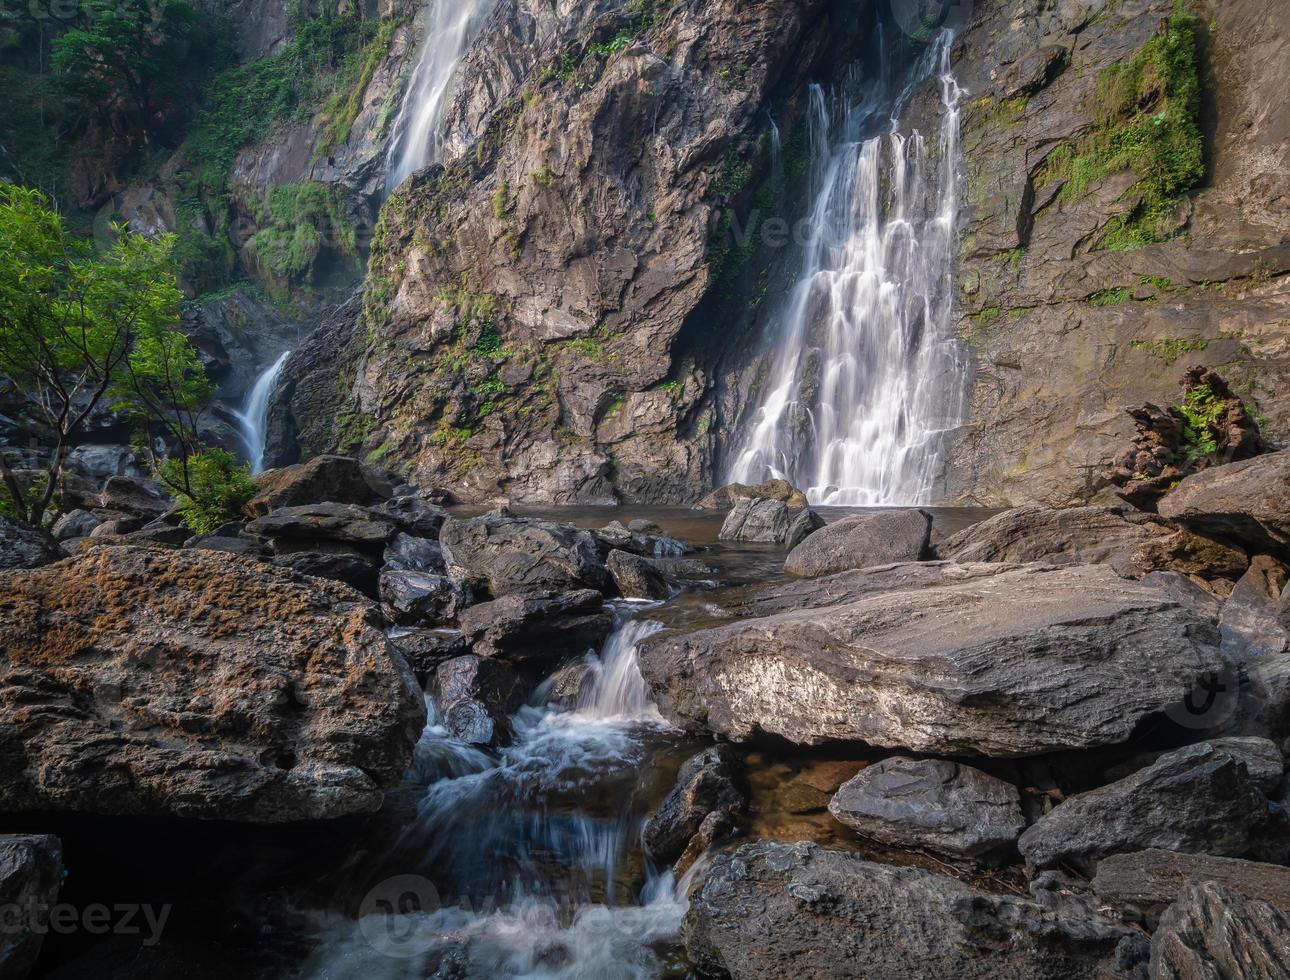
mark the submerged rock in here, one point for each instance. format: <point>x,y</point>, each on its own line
<point>541,627</point>
<point>24,546</point>
<point>943,806</point>
<point>769,911</point>
<point>31,874</point>
<point>1206,798</point>
<point>1247,501</point>
<point>1213,931</point>
<point>703,806</point>
<point>1146,882</point>
<point>764,521</point>
<point>499,553</point>
<point>858,542</point>
<point>197,684</point>
<point>336,479</point>
<point>1030,660</point>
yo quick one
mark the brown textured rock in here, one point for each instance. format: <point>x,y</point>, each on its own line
<point>723,498</point>
<point>197,684</point>
<point>1247,501</point>
<point>1146,882</point>
<point>1214,932</point>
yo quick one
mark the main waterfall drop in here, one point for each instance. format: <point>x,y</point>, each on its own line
<point>417,139</point>
<point>254,415</point>
<point>867,379</point>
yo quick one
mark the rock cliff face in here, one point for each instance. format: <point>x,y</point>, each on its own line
<point>524,303</point>
<point>1099,257</point>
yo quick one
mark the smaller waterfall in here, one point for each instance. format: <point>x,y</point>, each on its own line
<point>253,416</point>
<point>416,140</point>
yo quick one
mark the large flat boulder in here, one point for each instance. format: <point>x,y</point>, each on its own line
<point>337,479</point>
<point>1202,798</point>
<point>1146,882</point>
<point>540,627</point>
<point>31,874</point>
<point>1248,501</point>
<point>300,528</point>
<point>881,538</point>
<point>1131,542</point>
<point>197,684</point>
<point>499,553</point>
<point>769,911</point>
<point>1216,932</point>
<point>1030,660</point>
<point>942,806</point>
<point>24,546</point>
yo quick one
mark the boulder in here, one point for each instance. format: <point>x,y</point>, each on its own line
<point>24,546</point>
<point>1144,883</point>
<point>31,874</point>
<point>726,497</point>
<point>1179,587</point>
<point>75,524</point>
<point>158,534</point>
<point>499,553</point>
<point>338,479</point>
<point>1213,931</point>
<point>1030,660</point>
<point>407,552</point>
<point>1248,501</point>
<point>233,545</point>
<point>762,521</point>
<point>881,538</point>
<point>297,528</point>
<point>942,806</point>
<point>413,515</point>
<point>703,806</point>
<point>1250,619</point>
<point>1131,542</point>
<point>636,577</point>
<point>567,686</point>
<point>115,527</point>
<point>1201,798</point>
<point>474,698</point>
<point>355,569</point>
<point>135,496</point>
<point>197,684</point>
<point>540,626</point>
<point>770,910</point>
<point>639,538</point>
<point>425,648</point>
<point>420,598</point>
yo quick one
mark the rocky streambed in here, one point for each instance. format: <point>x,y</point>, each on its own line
<point>365,732</point>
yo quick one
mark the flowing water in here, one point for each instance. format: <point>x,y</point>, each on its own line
<point>417,139</point>
<point>867,379</point>
<point>252,418</point>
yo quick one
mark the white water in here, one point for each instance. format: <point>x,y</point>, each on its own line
<point>417,139</point>
<point>867,379</point>
<point>524,846</point>
<point>253,416</point>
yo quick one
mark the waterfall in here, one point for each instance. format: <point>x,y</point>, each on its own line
<point>416,140</point>
<point>253,416</point>
<point>867,379</point>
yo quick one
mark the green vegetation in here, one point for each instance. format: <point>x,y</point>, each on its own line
<point>1201,411</point>
<point>1147,121</point>
<point>1170,349</point>
<point>80,331</point>
<point>299,222</point>
<point>212,490</point>
<point>501,200</point>
<point>1109,297</point>
<point>543,177</point>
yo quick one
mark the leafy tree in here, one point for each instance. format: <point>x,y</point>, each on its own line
<point>211,485</point>
<point>80,331</point>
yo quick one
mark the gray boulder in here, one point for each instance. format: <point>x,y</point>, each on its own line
<point>425,647</point>
<point>857,542</point>
<point>413,515</point>
<point>1031,660</point>
<point>639,538</point>
<point>297,528</point>
<point>75,524</point>
<point>763,521</point>
<point>769,911</point>
<point>31,874</point>
<point>1250,619</point>
<point>420,598</point>
<point>636,577</point>
<point>24,546</point>
<point>723,498</point>
<point>1201,798</point>
<point>324,478</point>
<point>499,553</point>
<point>474,698</point>
<point>943,806</point>
<point>354,568</point>
<point>1144,883</point>
<point>1131,542</point>
<point>1248,501</point>
<point>233,545</point>
<point>135,496</point>
<point>703,806</point>
<point>410,553</point>
<point>1213,932</point>
<point>542,627</point>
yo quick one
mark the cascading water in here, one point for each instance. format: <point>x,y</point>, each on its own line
<point>417,140</point>
<point>868,380</point>
<point>253,416</point>
<point>527,845</point>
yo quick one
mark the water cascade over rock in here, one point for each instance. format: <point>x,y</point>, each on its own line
<point>253,416</point>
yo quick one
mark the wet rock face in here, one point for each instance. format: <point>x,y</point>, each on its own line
<point>475,697</point>
<point>943,806</point>
<point>1026,661</point>
<point>500,553</point>
<point>197,684</point>
<point>771,910</point>
<point>636,577</point>
<point>579,220</point>
<point>1206,798</point>
<point>24,546</point>
<point>858,542</point>
<point>1132,543</point>
<point>703,806</point>
<point>411,598</point>
<point>1247,501</point>
<point>1215,931</point>
<point>31,873</point>
<point>1067,327</point>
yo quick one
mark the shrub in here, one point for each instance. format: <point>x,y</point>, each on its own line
<point>218,487</point>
